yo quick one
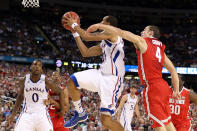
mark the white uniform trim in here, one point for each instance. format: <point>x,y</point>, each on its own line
<point>166,120</point>
<point>190,129</point>
<point>146,93</point>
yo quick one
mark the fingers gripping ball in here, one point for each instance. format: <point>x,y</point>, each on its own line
<point>67,16</point>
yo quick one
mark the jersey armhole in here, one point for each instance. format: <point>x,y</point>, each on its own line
<point>147,46</point>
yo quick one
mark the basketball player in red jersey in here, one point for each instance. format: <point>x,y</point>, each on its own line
<point>151,59</point>
<point>53,103</point>
<point>180,108</point>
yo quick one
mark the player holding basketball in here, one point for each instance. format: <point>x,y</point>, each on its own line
<point>180,108</point>
<point>128,104</point>
<point>107,81</point>
<point>151,59</point>
<point>54,105</point>
<point>33,91</point>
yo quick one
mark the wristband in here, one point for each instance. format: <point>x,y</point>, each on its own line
<point>75,34</point>
<point>74,25</point>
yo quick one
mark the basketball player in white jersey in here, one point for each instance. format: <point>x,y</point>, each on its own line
<point>33,91</point>
<point>107,81</point>
<point>128,105</point>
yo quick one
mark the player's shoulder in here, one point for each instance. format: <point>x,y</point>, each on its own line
<point>21,79</point>
<point>125,97</point>
<point>185,90</point>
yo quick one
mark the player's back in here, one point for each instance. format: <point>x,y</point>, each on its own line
<point>180,108</point>
<point>34,95</point>
<point>151,62</point>
<point>113,58</point>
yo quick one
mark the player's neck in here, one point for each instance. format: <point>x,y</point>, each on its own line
<point>35,77</point>
<point>132,95</point>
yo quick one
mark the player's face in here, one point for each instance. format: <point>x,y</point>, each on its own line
<point>104,21</point>
<point>146,32</point>
<point>36,67</point>
<point>133,90</point>
<point>56,76</point>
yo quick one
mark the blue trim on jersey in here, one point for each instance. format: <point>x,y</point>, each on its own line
<point>116,93</point>
<point>74,80</point>
<point>116,56</point>
<point>114,60</point>
<point>108,43</point>
<point>24,106</point>
<point>32,80</point>
<point>106,109</point>
<point>116,71</point>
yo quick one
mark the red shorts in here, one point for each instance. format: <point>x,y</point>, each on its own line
<point>156,102</point>
<point>183,125</point>
<point>58,123</point>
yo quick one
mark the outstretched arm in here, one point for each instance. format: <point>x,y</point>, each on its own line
<point>54,88</point>
<point>175,79</point>
<point>69,21</point>
<point>193,97</point>
<point>88,52</point>
<point>137,40</point>
<point>19,99</point>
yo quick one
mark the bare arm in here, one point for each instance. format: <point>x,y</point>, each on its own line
<point>68,20</point>
<point>88,52</point>
<point>193,97</point>
<point>19,99</point>
<point>137,109</point>
<point>137,40</point>
<point>137,112</point>
<point>66,99</point>
<point>170,67</point>
<point>98,36</point>
<point>57,104</point>
<point>51,85</point>
<point>122,102</point>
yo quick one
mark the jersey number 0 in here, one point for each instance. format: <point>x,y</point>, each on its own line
<point>35,97</point>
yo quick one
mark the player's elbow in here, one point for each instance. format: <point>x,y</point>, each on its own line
<point>84,55</point>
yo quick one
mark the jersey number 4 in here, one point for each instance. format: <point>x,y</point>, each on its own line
<point>175,109</point>
<point>158,54</point>
<point>35,97</point>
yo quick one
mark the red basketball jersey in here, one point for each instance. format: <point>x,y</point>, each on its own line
<point>150,63</point>
<point>180,108</point>
<point>52,108</point>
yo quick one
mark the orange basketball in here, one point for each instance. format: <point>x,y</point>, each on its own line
<point>73,15</point>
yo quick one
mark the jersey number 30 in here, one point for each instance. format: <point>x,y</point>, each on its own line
<point>175,109</point>
<point>35,97</point>
<point>158,54</point>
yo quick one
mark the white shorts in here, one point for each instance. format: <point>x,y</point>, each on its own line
<point>109,87</point>
<point>125,120</point>
<point>39,121</point>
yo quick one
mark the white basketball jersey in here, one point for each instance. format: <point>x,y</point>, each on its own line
<point>129,106</point>
<point>34,95</point>
<point>113,57</point>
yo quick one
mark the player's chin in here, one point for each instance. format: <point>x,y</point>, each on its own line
<point>36,72</point>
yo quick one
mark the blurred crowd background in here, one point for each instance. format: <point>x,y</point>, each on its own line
<point>38,33</point>
<point>11,73</point>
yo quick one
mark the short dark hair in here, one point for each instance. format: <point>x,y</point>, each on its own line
<point>112,20</point>
<point>39,61</point>
<point>156,31</point>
